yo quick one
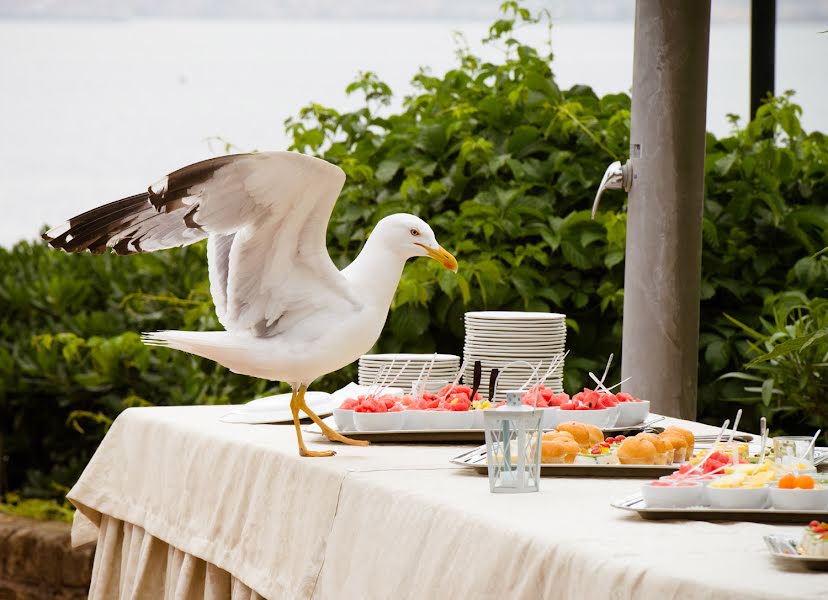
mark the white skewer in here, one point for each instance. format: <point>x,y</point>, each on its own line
<point>385,373</point>
<point>553,364</point>
<point>763,430</point>
<point>457,377</point>
<point>612,387</point>
<point>599,382</point>
<point>606,370</point>
<point>397,376</point>
<point>813,442</point>
<point>735,426</point>
<point>380,373</point>
<point>534,372</point>
<point>713,447</point>
<point>428,373</point>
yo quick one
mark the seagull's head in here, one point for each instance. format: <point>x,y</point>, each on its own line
<point>410,236</point>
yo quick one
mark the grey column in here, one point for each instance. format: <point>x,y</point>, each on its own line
<point>663,261</point>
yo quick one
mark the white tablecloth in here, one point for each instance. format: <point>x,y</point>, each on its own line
<point>387,520</point>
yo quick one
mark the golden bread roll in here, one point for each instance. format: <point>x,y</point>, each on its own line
<point>663,447</point>
<point>637,451</point>
<point>554,435</point>
<point>562,450</point>
<point>578,431</point>
<point>686,434</point>
<point>596,436</point>
<point>680,450</point>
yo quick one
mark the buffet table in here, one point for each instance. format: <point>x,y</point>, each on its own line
<point>183,506</point>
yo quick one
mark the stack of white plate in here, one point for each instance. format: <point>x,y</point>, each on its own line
<point>407,368</point>
<point>497,338</point>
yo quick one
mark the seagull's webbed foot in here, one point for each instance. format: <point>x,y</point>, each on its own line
<point>295,405</point>
<point>305,452</point>
<point>331,434</point>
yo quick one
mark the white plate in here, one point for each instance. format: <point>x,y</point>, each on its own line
<point>512,315</point>
<point>413,357</point>
<point>785,551</point>
<point>276,409</point>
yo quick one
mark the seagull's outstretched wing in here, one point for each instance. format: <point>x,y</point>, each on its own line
<point>265,215</point>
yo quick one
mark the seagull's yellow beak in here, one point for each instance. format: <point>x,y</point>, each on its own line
<point>442,256</point>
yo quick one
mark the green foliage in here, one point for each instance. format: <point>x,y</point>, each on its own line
<point>787,380</point>
<point>36,508</point>
<point>503,163</point>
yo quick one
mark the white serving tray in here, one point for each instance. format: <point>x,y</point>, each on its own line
<point>446,435</point>
<point>637,504</point>
<point>784,550</point>
<point>476,459</point>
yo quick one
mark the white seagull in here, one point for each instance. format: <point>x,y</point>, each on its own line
<point>289,314</point>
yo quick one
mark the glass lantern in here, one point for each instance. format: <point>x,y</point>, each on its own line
<point>513,446</point>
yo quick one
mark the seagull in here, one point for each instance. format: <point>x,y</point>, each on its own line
<point>288,313</point>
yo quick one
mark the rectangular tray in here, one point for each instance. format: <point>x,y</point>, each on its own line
<point>785,551</point>
<point>758,515</point>
<point>476,459</point>
<point>428,436</point>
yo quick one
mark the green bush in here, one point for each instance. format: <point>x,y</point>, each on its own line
<point>504,165</point>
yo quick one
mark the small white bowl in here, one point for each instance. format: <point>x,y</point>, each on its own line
<point>344,419</point>
<point>478,421</point>
<point>798,499</point>
<point>550,417</point>
<point>601,418</point>
<point>415,419</point>
<point>632,413</point>
<point>387,421</point>
<point>448,419</point>
<point>737,497</point>
<point>673,496</point>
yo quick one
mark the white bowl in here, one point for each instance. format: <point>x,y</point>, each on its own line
<point>478,421</point>
<point>632,413</point>
<point>415,419</point>
<point>448,419</point>
<point>673,496</point>
<point>550,417</point>
<point>601,418</point>
<point>387,421</point>
<point>798,499</point>
<point>737,497</point>
<point>344,419</point>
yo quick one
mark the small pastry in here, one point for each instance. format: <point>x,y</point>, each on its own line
<point>596,436</point>
<point>662,447</point>
<point>559,451</point>
<point>554,435</point>
<point>687,435</point>
<point>637,451</point>
<point>578,431</point>
<point>680,451</point>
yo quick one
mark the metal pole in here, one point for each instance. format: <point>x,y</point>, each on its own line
<point>762,51</point>
<point>663,262</point>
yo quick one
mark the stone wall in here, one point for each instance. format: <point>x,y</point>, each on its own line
<point>37,561</point>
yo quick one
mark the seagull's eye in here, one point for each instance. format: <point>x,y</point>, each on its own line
<point>414,232</point>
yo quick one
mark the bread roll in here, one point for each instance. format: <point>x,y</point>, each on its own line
<point>578,431</point>
<point>637,451</point>
<point>680,451</point>
<point>662,447</point>
<point>562,450</point>
<point>554,435</point>
<point>687,435</point>
<point>596,436</point>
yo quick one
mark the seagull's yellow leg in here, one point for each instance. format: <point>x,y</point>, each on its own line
<point>294,409</point>
<point>332,435</point>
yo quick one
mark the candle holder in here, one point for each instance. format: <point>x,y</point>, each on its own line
<point>513,446</point>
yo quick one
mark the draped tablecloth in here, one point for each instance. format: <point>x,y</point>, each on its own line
<point>184,506</point>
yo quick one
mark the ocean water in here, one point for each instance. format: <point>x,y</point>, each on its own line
<point>94,111</point>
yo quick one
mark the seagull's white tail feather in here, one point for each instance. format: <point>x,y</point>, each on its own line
<point>219,346</point>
